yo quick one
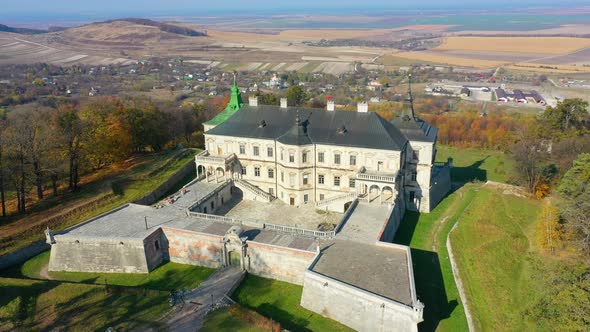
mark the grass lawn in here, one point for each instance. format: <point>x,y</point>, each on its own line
<point>30,305</point>
<point>477,164</point>
<point>280,301</point>
<point>167,277</point>
<point>128,183</point>
<point>426,235</point>
<point>493,245</point>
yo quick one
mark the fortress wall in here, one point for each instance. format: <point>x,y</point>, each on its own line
<point>193,248</point>
<point>281,263</point>
<point>354,307</point>
<point>156,249</point>
<point>98,255</point>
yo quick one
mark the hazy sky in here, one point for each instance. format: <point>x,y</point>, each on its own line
<point>249,6</point>
<point>68,12</point>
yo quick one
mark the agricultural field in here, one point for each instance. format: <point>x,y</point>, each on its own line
<point>565,55</point>
<point>537,45</point>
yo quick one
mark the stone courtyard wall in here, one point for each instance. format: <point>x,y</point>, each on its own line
<point>98,255</point>
<point>280,263</point>
<point>193,248</point>
<point>354,307</point>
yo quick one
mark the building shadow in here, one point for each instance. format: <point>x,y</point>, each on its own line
<point>430,288</point>
<point>473,172</point>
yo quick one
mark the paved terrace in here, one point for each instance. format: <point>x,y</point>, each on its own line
<point>128,222</point>
<point>380,270</point>
<point>305,216</point>
<point>365,223</point>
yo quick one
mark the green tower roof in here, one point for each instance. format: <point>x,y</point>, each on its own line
<point>235,103</point>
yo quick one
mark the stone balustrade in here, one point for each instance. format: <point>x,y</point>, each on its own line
<point>205,158</point>
<point>331,200</point>
<point>376,177</point>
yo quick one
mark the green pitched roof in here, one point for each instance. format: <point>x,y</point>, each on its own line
<point>235,103</point>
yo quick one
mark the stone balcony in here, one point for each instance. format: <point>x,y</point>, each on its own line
<point>204,158</point>
<point>364,175</point>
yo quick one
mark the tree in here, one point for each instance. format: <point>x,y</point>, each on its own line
<point>296,96</point>
<point>568,115</point>
<point>2,143</point>
<point>549,229</point>
<point>576,211</point>
<point>71,129</point>
<point>577,178</point>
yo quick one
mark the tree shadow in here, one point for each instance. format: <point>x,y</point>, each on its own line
<point>430,289</point>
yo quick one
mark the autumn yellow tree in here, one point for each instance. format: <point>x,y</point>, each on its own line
<point>549,228</point>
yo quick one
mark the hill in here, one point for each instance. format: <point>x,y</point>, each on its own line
<point>6,28</point>
<point>165,27</point>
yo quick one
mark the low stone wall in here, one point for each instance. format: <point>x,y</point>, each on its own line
<point>396,214</point>
<point>193,248</point>
<point>280,263</point>
<point>98,255</point>
<point>354,307</point>
<point>23,254</point>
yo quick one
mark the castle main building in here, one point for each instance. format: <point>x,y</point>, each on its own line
<point>315,156</point>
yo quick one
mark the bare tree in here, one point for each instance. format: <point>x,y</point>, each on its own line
<point>2,143</point>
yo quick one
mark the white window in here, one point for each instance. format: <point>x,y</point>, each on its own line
<point>291,180</point>
<point>304,157</point>
<point>256,171</point>
<point>269,152</point>
<point>242,149</point>
<point>337,158</point>
<point>352,160</point>
<point>281,154</point>
<point>282,177</point>
<point>322,197</point>
<point>305,199</point>
<point>271,191</point>
<point>320,157</point>
<point>351,183</point>
<point>256,151</point>
<point>337,181</point>
<point>321,179</point>
<point>291,157</point>
<point>244,171</point>
<point>271,173</point>
<point>305,179</point>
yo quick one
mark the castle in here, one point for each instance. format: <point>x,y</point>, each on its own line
<point>308,196</point>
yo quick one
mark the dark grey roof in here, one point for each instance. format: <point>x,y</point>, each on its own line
<point>416,129</point>
<point>319,126</point>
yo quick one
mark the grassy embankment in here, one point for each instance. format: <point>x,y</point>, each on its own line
<point>100,192</point>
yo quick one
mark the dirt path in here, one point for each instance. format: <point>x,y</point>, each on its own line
<point>44,273</point>
<point>199,301</point>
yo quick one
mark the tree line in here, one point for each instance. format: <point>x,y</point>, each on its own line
<point>44,149</point>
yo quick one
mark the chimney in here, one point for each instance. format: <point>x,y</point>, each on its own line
<point>362,107</point>
<point>330,105</point>
<point>253,101</point>
<point>283,102</point>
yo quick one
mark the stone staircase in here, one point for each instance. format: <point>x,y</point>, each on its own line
<point>336,199</point>
<point>257,192</point>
